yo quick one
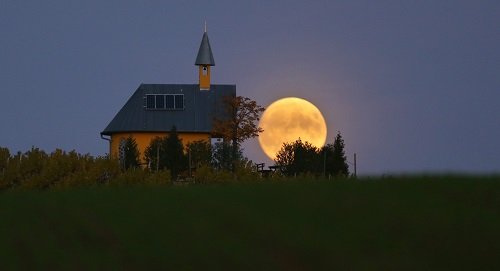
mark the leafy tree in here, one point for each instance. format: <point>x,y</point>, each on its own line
<point>4,159</point>
<point>56,168</point>
<point>129,153</point>
<point>302,158</point>
<point>242,122</point>
<point>224,157</point>
<point>298,158</point>
<point>155,154</point>
<point>32,163</point>
<point>199,153</point>
<point>307,158</point>
<point>12,174</point>
<point>285,157</point>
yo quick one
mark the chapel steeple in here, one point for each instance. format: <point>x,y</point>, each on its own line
<point>204,60</point>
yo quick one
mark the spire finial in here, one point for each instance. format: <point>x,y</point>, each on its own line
<point>205,26</point>
<point>205,56</point>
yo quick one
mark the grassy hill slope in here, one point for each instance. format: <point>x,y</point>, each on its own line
<point>372,224</point>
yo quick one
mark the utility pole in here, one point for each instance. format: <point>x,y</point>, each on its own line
<point>355,168</point>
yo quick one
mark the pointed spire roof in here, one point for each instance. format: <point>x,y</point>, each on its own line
<point>205,56</point>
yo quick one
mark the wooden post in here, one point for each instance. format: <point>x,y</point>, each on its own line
<point>157,156</point>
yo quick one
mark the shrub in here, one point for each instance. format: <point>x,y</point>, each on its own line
<point>159,178</point>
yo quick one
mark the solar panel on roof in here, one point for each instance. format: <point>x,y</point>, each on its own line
<point>169,102</point>
<point>160,101</point>
<point>164,101</point>
<point>179,101</point>
<point>150,101</point>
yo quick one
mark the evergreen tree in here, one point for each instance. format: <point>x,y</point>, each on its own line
<point>175,159</point>
<point>339,161</point>
<point>129,153</point>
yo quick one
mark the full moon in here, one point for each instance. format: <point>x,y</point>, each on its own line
<point>289,119</point>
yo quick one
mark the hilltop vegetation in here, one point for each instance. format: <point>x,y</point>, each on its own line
<point>166,160</point>
<point>36,169</point>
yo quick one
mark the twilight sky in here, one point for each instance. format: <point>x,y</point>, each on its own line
<point>414,86</point>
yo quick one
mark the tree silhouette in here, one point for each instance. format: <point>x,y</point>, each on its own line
<point>4,159</point>
<point>224,156</point>
<point>339,160</point>
<point>302,157</point>
<point>241,123</point>
<point>167,153</point>
<point>175,159</point>
<point>285,157</point>
<point>155,155</point>
<point>298,157</point>
<point>129,153</point>
<point>200,153</point>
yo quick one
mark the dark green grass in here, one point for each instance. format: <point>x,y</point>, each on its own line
<point>450,223</point>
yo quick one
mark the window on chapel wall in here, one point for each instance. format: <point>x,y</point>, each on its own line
<point>164,102</point>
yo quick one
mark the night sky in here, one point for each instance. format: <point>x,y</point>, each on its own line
<point>413,86</point>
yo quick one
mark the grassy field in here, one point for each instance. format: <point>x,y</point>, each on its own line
<point>431,223</point>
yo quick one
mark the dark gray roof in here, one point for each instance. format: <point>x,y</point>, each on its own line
<point>205,56</point>
<point>201,107</point>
